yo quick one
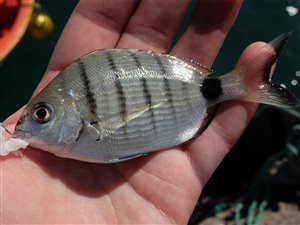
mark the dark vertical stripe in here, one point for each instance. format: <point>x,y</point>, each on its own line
<point>168,93</point>
<point>161,65</point>
<point>119,87</point>
<point>146,92</point>
<point>166,83</point>
<point>89,95</point>
<point>136,60</point>
<point>185,92</point>
<point>148,100</point>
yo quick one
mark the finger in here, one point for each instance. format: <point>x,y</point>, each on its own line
<point>209,25</point>
<point>232,117</point>
<point>153,25</point>
<point>93,25</point>
<point>12,119</point>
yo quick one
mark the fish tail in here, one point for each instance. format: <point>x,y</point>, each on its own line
<point>254,73</point>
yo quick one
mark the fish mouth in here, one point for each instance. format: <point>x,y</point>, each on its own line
<point>21,134</point>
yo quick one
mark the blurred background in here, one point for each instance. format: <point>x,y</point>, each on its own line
<point>262,171</point>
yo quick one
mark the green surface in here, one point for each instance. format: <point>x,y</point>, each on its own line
<point>258,20</point>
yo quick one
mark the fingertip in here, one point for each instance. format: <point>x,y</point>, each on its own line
<point>10,121</point>
<point>256,56</point>
<point>209,24</point>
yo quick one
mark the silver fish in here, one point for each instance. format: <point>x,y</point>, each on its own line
<point>118,104</point>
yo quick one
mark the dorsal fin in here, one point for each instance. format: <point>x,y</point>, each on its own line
<point>204,69</point>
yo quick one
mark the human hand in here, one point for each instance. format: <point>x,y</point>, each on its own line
<point>160,188</point>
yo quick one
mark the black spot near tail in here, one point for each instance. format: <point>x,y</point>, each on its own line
<point>211,88</point>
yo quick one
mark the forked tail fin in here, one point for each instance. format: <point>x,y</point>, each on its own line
<point>261,62</point>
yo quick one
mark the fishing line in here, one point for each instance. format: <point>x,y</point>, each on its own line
<point>1,125</point>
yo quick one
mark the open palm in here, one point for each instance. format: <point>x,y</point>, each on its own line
<point>160,188</point>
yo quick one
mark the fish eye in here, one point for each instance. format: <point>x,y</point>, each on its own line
<point>42,112</point>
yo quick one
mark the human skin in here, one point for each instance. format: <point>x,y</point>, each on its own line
<point>160,188</point>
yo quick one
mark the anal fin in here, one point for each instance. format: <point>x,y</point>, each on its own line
<point>127,157</point>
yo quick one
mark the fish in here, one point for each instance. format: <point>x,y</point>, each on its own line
<point>113,105</point>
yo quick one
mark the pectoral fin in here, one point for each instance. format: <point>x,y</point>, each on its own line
<point>98,128</point>
<point>133,114</point>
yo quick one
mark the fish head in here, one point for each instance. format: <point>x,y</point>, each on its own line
<point>50,122</point>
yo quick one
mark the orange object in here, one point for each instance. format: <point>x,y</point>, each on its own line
<point>14,18</point>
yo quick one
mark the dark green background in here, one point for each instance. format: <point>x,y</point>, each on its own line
<point>258,20</point>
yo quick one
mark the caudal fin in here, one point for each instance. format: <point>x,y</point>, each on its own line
<point>279,42</point>
<point>273,94</point>
<point>261,62</point>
